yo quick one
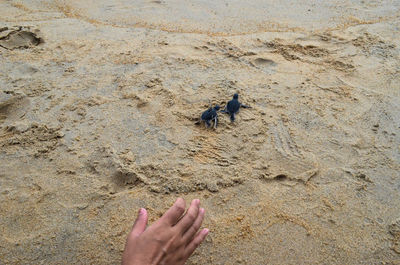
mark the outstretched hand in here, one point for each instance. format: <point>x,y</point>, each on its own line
<point>170,240</point>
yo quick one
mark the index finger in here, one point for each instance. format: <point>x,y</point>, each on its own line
<point>173,214</point>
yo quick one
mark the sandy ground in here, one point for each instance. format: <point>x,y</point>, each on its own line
<point>98,103</point>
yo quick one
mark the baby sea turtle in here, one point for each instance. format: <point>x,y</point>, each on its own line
<point>210,115</point>
<point>233,106</point>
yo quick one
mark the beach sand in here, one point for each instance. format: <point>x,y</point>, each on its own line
<point>98,103</point>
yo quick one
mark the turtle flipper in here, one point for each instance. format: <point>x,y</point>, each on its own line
<point>245,106</point>
<point>232,117</point>
<point>208,124</point>
<point>225,110</point>
<point>215,122</point>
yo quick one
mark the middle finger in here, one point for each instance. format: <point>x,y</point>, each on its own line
<point>190,216</point>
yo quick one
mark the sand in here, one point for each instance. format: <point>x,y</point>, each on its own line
<point>98,103</point>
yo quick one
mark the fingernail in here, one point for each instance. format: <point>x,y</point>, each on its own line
<point>142,211</point>
<point>205,231</point>
<point>201,210</point>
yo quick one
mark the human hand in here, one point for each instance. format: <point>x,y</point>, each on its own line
<point>170,240</point>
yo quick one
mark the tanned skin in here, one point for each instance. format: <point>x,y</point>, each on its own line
<point>170,240</point>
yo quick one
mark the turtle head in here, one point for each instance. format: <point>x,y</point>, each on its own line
<point>236,96</point>
<point>217,107</point>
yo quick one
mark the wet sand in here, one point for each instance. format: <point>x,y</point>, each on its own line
<point>97,109</point>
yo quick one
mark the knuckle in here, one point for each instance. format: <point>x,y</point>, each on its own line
<point>191,215</point>
<point>196,242</point>
<point>180,208</point>
<point>196,225</point>
<point>133,235</point>
<point>160,238</point>
<point>192,230</point>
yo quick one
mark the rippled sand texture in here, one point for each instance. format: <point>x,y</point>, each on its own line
<point>98,103</point>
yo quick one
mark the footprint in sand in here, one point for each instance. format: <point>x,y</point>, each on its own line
<point>18,38</point>
<point>12,107</point>
<point>266,65</point>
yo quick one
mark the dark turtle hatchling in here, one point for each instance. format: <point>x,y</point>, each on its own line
<point>233,107</point>
<point>210,115</point>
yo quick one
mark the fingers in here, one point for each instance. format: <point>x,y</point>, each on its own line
<point>189,234</point>
<point>196,242</point>
<point>140,223</point>
<point>190,216</point>
<point>174,213</point>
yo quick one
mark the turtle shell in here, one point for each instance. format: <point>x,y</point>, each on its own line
<point>233,106</point>
<point>209,114</point>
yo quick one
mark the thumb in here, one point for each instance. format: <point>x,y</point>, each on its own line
<point>140,223</point>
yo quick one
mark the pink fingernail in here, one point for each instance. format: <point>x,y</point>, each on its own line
<point>205,231</point>
<point>142,211</point>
